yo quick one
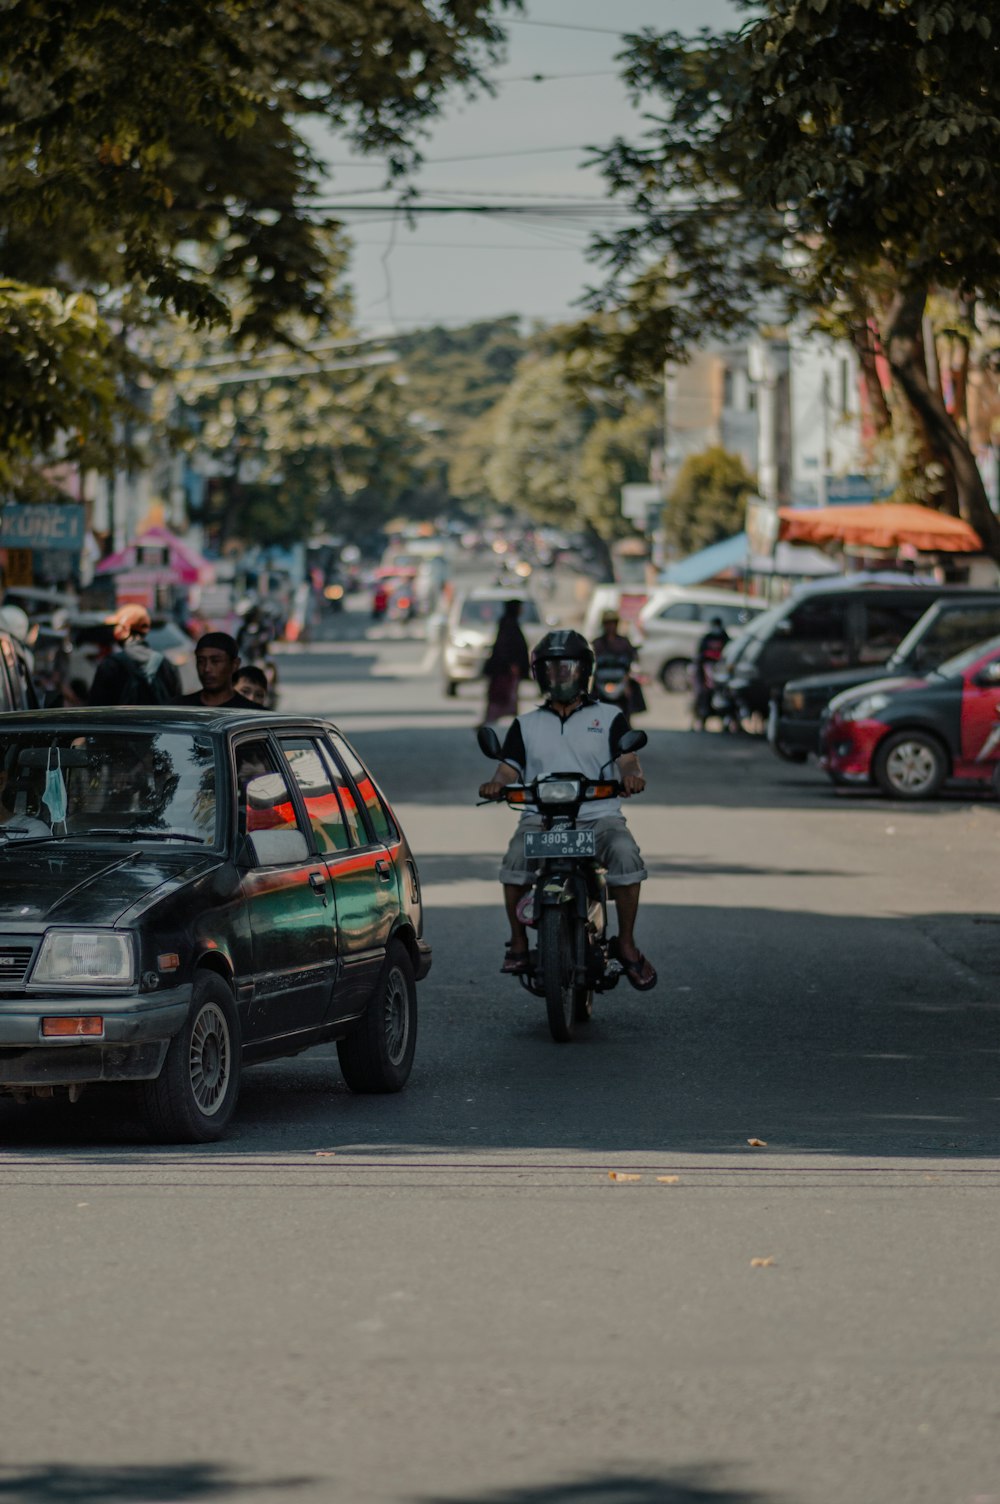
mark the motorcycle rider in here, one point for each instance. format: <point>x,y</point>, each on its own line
<point>613,645</point>
<point>572,729</point>
<point>709,652</point>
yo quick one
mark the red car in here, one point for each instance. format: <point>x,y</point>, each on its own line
<point>909,736</point>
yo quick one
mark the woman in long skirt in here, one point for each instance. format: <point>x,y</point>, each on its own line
<point>509,662</point>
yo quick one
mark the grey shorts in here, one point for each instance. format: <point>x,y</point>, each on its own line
<point>616,851</point>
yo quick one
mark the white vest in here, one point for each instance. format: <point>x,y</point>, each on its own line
<point>578,744</point>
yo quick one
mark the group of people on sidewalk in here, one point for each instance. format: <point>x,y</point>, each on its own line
<point>136,674</point>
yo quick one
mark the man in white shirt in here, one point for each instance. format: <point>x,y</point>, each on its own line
<point>573,731</point>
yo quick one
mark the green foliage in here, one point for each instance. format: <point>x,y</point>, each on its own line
<point>59,391</point>
<point>708,501</point>
<point>832,155</point>
<point>152,152</point>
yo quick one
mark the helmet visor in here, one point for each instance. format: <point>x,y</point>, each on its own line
<point>562,678</point>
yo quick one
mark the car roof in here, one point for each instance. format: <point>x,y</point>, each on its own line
<point>161,717</point>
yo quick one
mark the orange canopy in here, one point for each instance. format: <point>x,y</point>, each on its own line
<point>885,524</point>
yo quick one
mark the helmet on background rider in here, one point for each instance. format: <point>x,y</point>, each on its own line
<point>563,663</point>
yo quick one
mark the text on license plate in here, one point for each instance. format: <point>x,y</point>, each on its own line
<point>539,843</point>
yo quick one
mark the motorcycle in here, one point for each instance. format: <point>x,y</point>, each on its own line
<point>613,682</point>
<point>567,902</point>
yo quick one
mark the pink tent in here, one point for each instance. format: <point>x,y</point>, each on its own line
<point>184,565</point>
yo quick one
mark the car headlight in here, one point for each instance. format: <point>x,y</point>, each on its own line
<point>865,708</point>
<point>559,791</point>
<point>84,958</point>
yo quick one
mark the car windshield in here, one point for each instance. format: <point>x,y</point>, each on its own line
<point>955,667</point>
<point>487,612</point>
<point>155,785</point>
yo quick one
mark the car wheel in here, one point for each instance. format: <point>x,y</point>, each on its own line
<point>790,754</point>
<point>910,765</point>
<point>378,1055</point>
<point>675,676</point>
<point>194,1096</point>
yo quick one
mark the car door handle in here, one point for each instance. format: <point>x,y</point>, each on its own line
<point>384,869</point>
<point>317,881</point>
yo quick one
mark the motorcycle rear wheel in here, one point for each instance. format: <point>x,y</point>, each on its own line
<point>566,1004</point>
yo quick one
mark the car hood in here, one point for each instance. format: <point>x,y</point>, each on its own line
<point>828,685</point>
<point>875,686</point>
<point>62,884</point>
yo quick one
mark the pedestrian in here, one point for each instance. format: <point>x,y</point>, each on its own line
<point>251,682</point>
<point>134,673</point>
<point>217,659</point>
<point>509,662</point>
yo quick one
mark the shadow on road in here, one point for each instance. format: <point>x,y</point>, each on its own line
<point>55,1483</point>
<point>683,1488</point>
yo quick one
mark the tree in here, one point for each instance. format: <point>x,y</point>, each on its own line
<point>833,154</point>
<point>136,132</point>
<point>562,448</point>
<point>708,501</point>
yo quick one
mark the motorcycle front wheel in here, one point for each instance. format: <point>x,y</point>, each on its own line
<point>566,1004</point>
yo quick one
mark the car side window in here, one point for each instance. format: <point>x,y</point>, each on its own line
<point>679,611</point>
<point>886,624</point>
<point>347,795</point>
<point>955,630</point>
<point>326,815</point>
<point>266,809</point>
<point>820,621</point>
<point>378,815</point>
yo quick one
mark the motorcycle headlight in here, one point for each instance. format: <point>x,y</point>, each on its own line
<point>84,958</point>
<point>864,709</point>
<point>559,791</point>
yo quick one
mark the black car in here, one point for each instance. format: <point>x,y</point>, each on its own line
<point>836,624</point>
<point>956,621</point>
<point>184,891</point>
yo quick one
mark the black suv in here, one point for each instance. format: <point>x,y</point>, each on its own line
<point>957,620</point>
<point>836,624</point>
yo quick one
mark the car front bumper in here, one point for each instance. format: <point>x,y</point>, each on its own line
<point>424,960</point>
<point>137,1032</point>
<point>794,733</point>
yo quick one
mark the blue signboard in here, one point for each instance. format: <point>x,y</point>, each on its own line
<point>855,490</point>
<point>44,525</point>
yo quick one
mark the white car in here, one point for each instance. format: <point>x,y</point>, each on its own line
<point>472,628</point>
<point>673,622</point>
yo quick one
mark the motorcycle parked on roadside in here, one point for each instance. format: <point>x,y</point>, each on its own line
<point>567,903</point>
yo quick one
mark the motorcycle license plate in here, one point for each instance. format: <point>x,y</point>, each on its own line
<point>542,843</point>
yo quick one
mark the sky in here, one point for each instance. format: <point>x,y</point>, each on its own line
<point>525,146</point>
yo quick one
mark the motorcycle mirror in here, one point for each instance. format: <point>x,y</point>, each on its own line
<point>633,741</point>
<point>489,742</point>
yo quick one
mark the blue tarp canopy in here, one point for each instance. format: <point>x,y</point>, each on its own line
<point>790,559</point>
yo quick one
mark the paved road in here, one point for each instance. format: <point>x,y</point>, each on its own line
<point>444,1297</point>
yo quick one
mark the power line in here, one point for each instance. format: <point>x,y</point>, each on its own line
<point>482,156</point>
<point>604,31</point>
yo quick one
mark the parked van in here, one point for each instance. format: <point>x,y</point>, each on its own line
<point>834,624</point>
<point>673,622</point>
<point>956,621</point>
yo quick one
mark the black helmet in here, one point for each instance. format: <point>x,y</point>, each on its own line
<point>563,646</point>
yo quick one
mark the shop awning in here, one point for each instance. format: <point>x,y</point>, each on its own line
<point>883,525</point>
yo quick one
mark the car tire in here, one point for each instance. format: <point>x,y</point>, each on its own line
<point>378,1055</point>
<point>675,676</point>
<point>910,765</point>
<point>194,1096</point>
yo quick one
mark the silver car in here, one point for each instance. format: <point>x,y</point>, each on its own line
<point>472,628</point>
<point>673,623</point>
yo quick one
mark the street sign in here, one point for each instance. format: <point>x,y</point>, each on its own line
<point>639,500</point>
<point>42,525</point>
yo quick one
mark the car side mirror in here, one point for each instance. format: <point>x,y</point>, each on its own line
<point>489,742</point>
<point>988,677</point>
<point>783,628</point>
<point>633,741</point>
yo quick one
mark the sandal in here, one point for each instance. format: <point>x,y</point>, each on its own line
<point>640,970</point>
<point>515,963</point>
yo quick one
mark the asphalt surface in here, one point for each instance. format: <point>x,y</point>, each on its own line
<point>451,1295</point>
